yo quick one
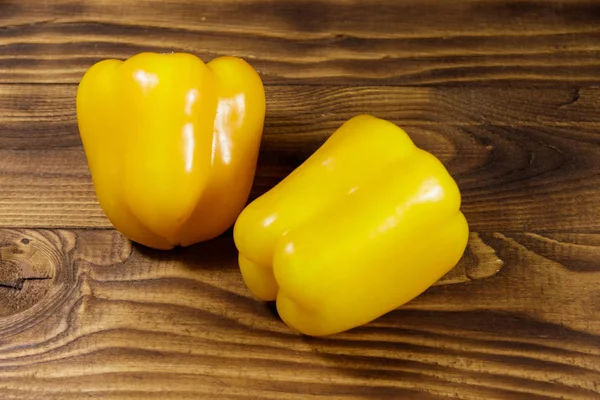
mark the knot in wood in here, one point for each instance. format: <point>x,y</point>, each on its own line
<point>29,262</point>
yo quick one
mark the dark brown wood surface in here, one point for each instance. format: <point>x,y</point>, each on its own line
<point>505,93</point>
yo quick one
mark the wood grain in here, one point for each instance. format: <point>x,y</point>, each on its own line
<point>127,322</point>
<point>505,93</point>
<point>509,150</point>
<point>531,42</point>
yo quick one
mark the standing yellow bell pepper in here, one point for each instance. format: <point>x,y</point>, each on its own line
<point>364,225</point>
<point>172,143</point>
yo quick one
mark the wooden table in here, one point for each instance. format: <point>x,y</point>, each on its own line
<point>504,93</point>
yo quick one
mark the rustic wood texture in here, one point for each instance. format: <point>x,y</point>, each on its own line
<point>400,42</point>
<point>120,321</point>
<point>505,93</point>
<point>509,150</point>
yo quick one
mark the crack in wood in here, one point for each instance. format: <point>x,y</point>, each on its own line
<point>19,283</point>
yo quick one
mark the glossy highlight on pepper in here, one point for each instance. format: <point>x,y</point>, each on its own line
<point>367,223</point>
<point>172,143</point>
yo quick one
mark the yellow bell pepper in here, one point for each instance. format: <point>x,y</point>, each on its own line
<point>364,225</point>
<point>172,143</point>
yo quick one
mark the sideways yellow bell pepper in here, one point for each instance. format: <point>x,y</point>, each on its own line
<point>172,143</point>
<point>364,225</point>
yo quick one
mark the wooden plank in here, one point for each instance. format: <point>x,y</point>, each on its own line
<point>416,42</point>
<point>510,151</point>
<point>122,321</point>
